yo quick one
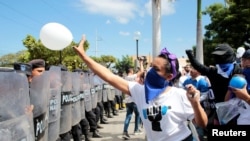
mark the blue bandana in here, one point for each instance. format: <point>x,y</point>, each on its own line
<point>154,85</point>
<point>226,69</point>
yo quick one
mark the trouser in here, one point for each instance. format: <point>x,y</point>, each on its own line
<point>112,106</point>
<point>76,132</point>
<point>107,107</point>
<point>101,107</point>
<point>119,100</point>
<point>97,112</point>
<point>91,117</point>
<point>65,136</point>
<point>84,126</point>
<point>131,107</point>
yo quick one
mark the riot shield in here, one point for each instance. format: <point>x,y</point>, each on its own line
<point>76,109</point>
<point>66,106</point>
<point>15,123</point>
<point>81,93</point>
<point>39,91</point>
<point>54,106</point>
<point>105,92</point>
<point>98,87</point>
<point>111,95</point>
<point>92,91</point>
<point>93,97</point>
<point>118,92</point>
<point>87,94</point>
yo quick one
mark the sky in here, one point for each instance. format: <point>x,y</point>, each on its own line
<point>109,25</point>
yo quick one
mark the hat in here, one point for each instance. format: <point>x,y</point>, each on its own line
<point>223,49</point>
<point>37,63</point>
<point>22,68</point>
<point>246,54</point>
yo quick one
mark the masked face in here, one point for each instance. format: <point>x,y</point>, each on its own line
<point>154,79</point>
<point>154,84</point>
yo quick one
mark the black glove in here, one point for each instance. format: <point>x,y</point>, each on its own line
<point>189,52</point>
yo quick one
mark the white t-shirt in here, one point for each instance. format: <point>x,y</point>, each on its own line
<point>171,110</point>
<point>132,78</point>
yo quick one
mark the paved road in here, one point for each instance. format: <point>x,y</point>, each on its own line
<point>113,131</point>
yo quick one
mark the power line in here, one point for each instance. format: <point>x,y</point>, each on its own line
<point>20,12</point>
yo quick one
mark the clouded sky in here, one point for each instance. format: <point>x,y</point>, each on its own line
<point>109,25</point>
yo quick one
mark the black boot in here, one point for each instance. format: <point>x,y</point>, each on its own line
<point>115,113</point>
<point>99,126</point>
<point>103,122</point>
<point>87,138</point>
<point>96,135</point>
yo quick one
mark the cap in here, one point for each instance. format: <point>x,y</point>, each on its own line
<point>37,63</point>
<point>223,49</point>
<point>22,68</point>
<point>246,54</point>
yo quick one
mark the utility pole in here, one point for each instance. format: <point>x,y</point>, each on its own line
<point>156,19</point>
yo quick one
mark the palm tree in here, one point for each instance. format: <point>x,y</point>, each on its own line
<point>156,21</point>
<point>199,38</point>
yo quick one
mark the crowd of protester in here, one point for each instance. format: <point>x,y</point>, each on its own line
<point>60,105</point>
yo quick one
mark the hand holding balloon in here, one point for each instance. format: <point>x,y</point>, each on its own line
<point>237,82</point>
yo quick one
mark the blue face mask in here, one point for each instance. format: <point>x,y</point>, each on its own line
<point>154,84</point>
<point>246,72</point>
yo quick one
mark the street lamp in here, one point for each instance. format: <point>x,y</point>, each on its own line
<point>136,37</point>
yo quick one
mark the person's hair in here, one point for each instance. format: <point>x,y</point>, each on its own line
<point>129,70</point>
<point>168,66</point>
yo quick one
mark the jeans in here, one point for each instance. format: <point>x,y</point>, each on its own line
<point>131,107</point>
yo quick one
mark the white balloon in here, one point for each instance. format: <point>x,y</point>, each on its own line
<point>240,51</point>
<point>55,36</point>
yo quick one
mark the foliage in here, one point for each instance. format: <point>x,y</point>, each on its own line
<point>123,65</point>
<point>229,24</point>
<point>66,57</point>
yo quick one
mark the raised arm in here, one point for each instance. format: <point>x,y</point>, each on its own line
<point>204,70</point>
<point>100,70</point>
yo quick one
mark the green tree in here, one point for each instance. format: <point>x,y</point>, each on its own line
<point>124,64</point>
<point>229,24</point>
<point>66,57</point>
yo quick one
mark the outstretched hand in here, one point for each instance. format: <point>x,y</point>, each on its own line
<point>80,48</point>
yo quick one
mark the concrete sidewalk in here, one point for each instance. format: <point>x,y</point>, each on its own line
<point>113,131</point>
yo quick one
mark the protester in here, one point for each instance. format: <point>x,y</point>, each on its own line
<point>219,75</point>
<point>243,94</point>
<point>201,84</point>
<point>131,107</point>
<point>164,110</point>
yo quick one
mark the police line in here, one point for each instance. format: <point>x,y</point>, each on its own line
<point>60,99</point>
